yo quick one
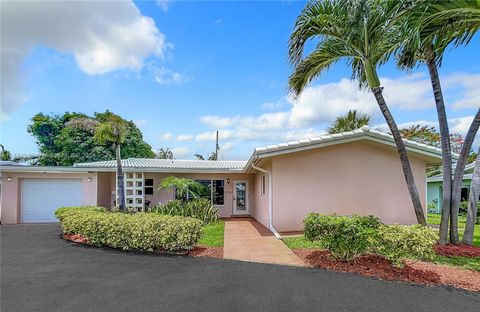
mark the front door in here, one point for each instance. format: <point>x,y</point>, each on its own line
<point>240,197</point>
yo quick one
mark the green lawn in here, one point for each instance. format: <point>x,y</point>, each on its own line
<point>463,262</point>
<point>434,218</point>
<point>300,242</point>
<point>213,235</point>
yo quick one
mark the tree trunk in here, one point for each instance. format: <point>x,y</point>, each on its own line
<point>120,181</point>
<point>472,203</point>
<point>458,178</point>
<point>407,169</point>
<point>446,150</point>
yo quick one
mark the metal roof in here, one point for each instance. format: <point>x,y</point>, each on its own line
<point>169,164</point>
<point>332,139</point>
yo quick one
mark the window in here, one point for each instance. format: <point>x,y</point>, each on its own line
<point>213,190</point>
<point>262,185</point>
<point>148,186</point>
<point>465,194</point>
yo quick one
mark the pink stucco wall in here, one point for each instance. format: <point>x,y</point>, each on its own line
<point>354,178</point>
<point>260,210</point>
<point>11,191</point>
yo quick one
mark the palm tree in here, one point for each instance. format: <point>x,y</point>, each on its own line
<point>429,28</point>
<point>472,203</point>
<point>349,122</point>
<point>164,153</point>
<point>113,131</point>
<point>361,32</point>
<point>5,154</point>
<point>110,131</point>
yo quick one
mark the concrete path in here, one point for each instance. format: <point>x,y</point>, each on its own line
<point>248,240</point>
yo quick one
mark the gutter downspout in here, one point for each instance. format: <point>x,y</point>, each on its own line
<point>270,201</point>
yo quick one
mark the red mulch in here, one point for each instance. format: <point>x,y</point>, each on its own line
<point>418,272</point>
<point>77,238</point>
<point>198,251</point>
<point>449,275</point>
<point>368,265</point>
<point>204,251</point>
<point>457,250</point>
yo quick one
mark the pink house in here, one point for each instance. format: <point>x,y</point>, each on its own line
<point>355,172</point>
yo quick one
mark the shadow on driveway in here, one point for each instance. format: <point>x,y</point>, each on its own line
<point>41,272</point>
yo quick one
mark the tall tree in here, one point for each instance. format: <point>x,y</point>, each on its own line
<point>349,122</point>
<point>164,153</point>
<point>472,204</point>
<point>429,28</point>
<point>60,145</point>
<point>362,33</point>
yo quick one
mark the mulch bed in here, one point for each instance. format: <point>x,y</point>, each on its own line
<point>418,272</point>
<point>198,251</point>
<point>368,265</point>
<point>205,251</point>
<point>457,250</point>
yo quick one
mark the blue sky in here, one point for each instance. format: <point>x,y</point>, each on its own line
<point>182,70</point>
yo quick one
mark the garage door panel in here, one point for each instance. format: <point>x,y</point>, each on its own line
<point>41,197</point>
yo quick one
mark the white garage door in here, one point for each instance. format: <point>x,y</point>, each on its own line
<point>41,197</point>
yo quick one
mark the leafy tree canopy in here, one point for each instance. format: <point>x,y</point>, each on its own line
<point>63,145</point>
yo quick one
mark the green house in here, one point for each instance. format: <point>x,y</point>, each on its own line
<point>434,189</point>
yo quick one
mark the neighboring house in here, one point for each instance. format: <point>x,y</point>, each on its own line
<point>355,172</point>
<point>435,190</point>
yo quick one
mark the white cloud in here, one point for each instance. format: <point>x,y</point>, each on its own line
<point>102,36</point>
<point>469,87</point>
<point>163,75</point>
<point>166,136</point>
<point>163,4</point>
<point>185,137</point>
<point>180,152</point>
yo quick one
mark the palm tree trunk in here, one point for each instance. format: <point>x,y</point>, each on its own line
<point>120,181</point>
<point>473,202</point>
<point>446,149</point>
<point>407,169</point>
<point>458,177</point>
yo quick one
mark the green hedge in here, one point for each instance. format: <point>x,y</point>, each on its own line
<point>200,208</point>
<point>345,237</point>
<point>138,231</point>
<point>400,242</point>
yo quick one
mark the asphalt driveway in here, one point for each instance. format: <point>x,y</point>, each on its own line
<point>41,272</point>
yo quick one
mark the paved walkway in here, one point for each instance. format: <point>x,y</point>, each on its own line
<point>248,240</point>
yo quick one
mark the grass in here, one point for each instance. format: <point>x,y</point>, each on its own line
<point>463,262</point>
<point>213,234</point>
<point>434,218</point>
<point>300,242</point>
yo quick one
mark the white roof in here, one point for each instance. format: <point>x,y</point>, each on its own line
<point>169,164</point>
<point>364,133</point>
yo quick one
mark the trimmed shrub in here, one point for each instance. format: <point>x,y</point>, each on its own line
<point>200,208</point>
<point>345,237</point>
<point>400,242</point>
<point>139,231</point>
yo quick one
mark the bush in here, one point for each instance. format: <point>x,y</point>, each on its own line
<point>400,242</point>
<point>200,208</point>
<point>462,210</point>
<point>139,231</point>
<point>345,237</point>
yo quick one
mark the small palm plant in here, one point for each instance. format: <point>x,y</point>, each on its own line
<point>184,188</point>
<point>363,33</point>
<point>349,122</point>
